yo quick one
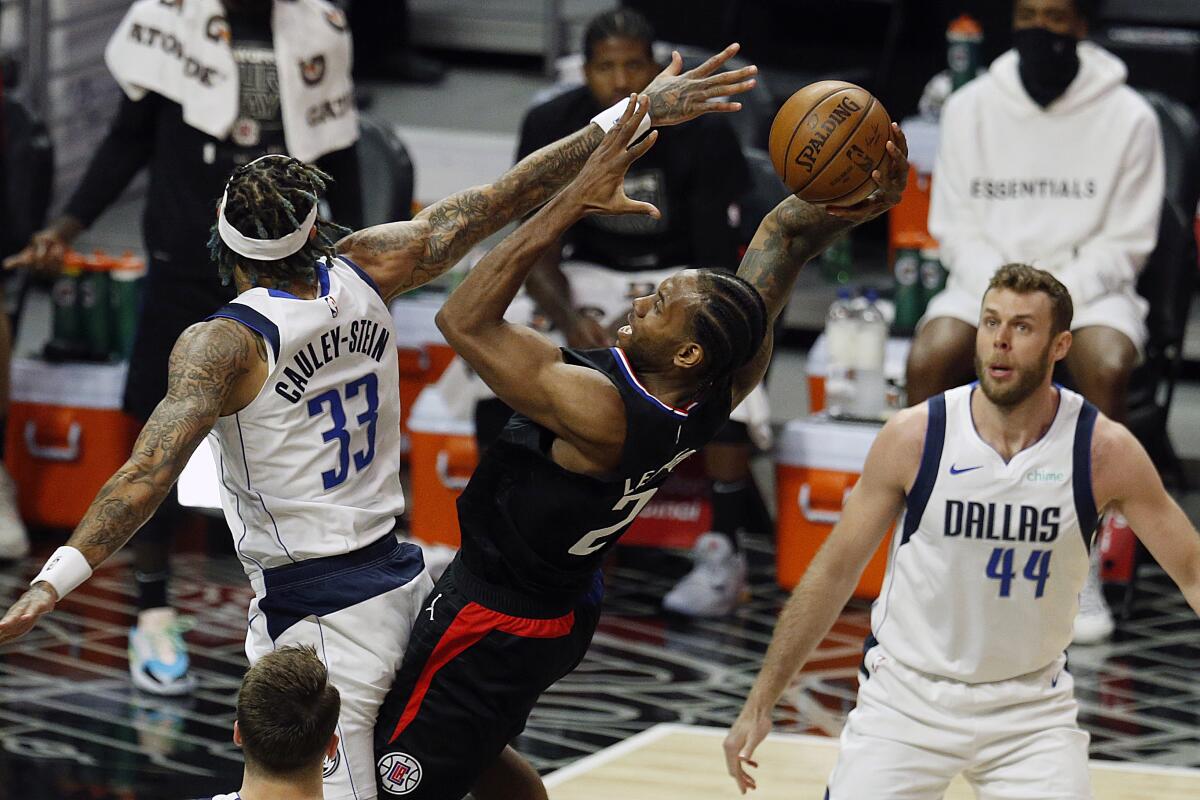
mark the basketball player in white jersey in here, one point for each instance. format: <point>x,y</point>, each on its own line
<point>999,483</point>
<point>287,711</point>
<point>298,382</point>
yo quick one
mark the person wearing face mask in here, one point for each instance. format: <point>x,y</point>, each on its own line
<point>1049,158</point>
<point>257,77</point>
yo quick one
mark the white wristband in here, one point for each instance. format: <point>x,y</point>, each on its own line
<point>65,570</point>
<point>607,119</point>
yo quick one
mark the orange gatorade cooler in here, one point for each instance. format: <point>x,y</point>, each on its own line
<point>818,461</point>
<point>422,351</point>
<point>442,455</point>
<point>66,436</point>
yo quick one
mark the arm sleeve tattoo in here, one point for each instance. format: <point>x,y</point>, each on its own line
<point>205,364</point>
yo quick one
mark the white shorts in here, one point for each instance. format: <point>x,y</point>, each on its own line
<point>912,733</point>
<point>1121,311</point>
<point>357,610</point>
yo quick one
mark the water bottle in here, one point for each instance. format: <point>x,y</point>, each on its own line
<point>869,386</point>
<point>841,336</point>
<point>964,44</point>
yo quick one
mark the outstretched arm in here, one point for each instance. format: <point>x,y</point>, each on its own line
<point>524,368</point>
<point>404,255</point>
<point>827,585</point>
<point>206,369</point>
<point>795,231</point>
<point>1124,478</point>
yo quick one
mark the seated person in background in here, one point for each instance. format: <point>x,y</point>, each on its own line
<point>1049,159</point>
<point>287,712</point>
<point>693,175</point>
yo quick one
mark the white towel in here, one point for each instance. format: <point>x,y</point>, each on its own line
<point>181,50</point>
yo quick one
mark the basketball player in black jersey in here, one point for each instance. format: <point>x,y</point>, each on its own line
<point>595,433</point>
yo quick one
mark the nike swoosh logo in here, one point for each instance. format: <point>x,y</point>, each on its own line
<point>955,471</point>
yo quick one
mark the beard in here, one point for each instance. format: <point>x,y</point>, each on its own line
<point>1015,392</point>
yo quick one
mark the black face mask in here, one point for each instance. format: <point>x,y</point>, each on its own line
<point>1047,61</point>
<point>250,8</point>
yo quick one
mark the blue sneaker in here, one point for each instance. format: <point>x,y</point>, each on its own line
<point>158,659</point>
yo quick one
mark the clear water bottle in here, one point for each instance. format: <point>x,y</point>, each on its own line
<point>841,336</point>
<point>869,394</point>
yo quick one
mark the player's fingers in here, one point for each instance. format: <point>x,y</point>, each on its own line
<point>710,66</point>
<point>725,91</point>
<point>722,107</point>
<point>635,112</point>
<point>732,76</point>
<point>639,207</point>
<point>899,138</point>
<point>674,68</point>
<point>638,150</point>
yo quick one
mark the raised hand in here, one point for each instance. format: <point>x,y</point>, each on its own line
<point>37,601</point>
<point>676,98</point>
<point>891,181</point>
<point>599,188</point>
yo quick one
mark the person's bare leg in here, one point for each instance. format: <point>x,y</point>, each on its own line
<point>1100,362</point>
<point>510,777</point>
<point>942,357</point>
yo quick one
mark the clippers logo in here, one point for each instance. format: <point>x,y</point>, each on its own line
<point>313,70</point>
<point>333,309</point>
<point>331,765</point>
<point>399,773</point>
<point>217,29</point>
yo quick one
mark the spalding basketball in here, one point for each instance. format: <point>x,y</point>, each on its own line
<point>826,141</point>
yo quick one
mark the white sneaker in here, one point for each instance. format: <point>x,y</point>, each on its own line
<point>158,659</point>
<point>716,583</point>
<point>1094,622</point>
<point>14,541</point>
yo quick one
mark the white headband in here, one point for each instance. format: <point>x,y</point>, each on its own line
<point>264,249</point>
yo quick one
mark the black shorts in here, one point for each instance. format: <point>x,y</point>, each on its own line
<point>477,661</point>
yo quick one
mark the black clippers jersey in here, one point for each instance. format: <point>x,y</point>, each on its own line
<point>533,526</point>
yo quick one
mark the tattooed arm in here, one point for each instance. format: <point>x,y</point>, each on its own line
<point>216,368</point>
<point>795,231</point>
<point>401,256</point>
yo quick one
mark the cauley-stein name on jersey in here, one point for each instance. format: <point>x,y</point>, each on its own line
<point>363,336</point>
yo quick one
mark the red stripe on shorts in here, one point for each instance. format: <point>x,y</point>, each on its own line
<point>472,624</point>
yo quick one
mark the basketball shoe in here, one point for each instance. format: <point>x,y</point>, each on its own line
<point>716,583</point>
<point>1094,622</point>
<point>158,659</point>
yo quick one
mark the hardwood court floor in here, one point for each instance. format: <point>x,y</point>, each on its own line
<point>72,727</point>
<point>684,762</point>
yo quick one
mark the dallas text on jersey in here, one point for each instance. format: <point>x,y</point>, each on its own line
<point>363,336</point>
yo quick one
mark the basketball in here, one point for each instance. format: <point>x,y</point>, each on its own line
<point>827,139</point>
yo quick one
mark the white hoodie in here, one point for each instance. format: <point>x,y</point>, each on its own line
<point>1075,188</point>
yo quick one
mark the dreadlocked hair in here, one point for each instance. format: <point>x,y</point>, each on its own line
<point>268,199</point>
<point>620,23</point>
<point>729,324</point>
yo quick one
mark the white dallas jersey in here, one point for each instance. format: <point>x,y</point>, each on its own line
<point>987,564</point>
<point>311,467</point>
